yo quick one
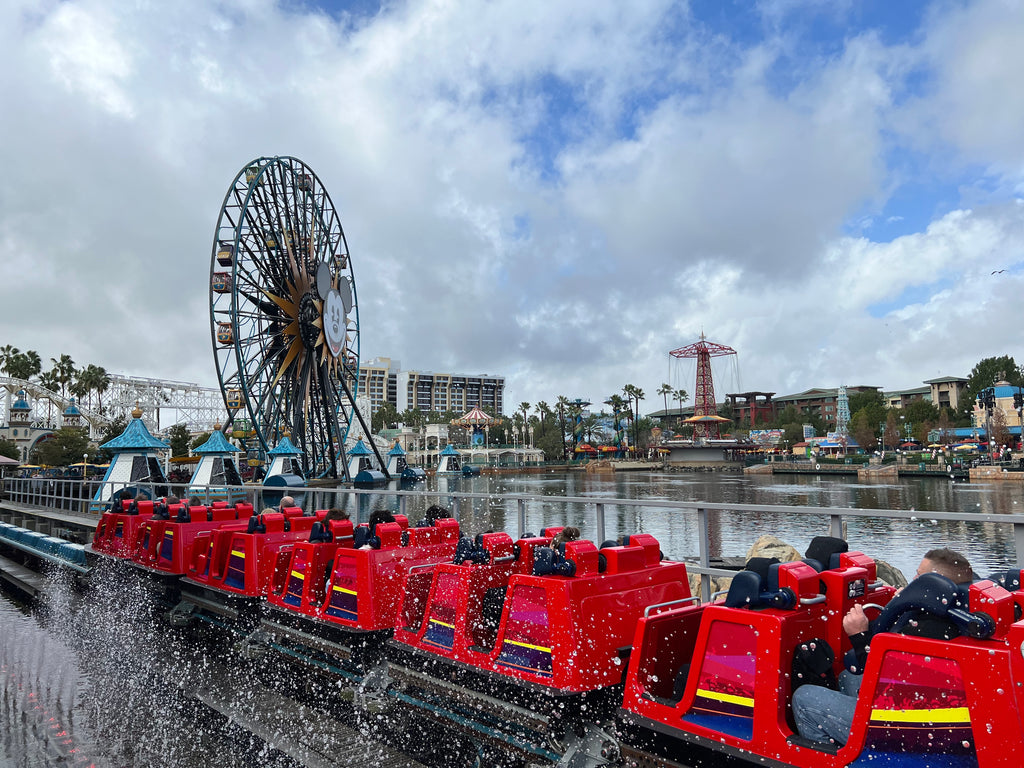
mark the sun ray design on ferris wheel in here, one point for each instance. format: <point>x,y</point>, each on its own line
<point>284,314</point>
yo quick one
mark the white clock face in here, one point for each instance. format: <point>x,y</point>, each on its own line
<point>334,322</point>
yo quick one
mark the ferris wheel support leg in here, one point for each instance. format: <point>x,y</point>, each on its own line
<point>366,430</point>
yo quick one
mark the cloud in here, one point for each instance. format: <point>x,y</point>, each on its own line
<point>560,193</point>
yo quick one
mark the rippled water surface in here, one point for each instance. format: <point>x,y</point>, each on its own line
<point>900,542</point>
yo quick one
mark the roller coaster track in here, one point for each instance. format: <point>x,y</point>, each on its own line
<point>163,403</point>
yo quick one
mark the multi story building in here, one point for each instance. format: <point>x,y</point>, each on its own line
<point>946,391</point>
<point>383,380</point>
<point>430,391</point>
<point>818,402</point>
<point>377,381</point>
<point>901,398</point>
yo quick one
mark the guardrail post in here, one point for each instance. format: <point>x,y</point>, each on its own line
<point>600,525</point>
<point>403,505</point>
<point>704,555</point>
<point>1018,542</point>
<point>836,526</point>
<point>521,515</point>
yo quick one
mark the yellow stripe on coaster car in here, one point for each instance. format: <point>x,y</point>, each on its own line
<point>953,715</point>
<point>336,588</point>
<point>527,645</point>
<point>238,553</point>
<point>435,621</point>
<point>726,698</point>
<point>298,575</point>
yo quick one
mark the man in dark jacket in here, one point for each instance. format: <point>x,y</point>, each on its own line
<point>825,715</point>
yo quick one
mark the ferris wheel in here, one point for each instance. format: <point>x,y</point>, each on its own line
<point>283,312</point>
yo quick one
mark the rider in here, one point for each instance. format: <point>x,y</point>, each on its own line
<point>825,715</point>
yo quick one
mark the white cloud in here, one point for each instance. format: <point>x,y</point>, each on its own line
<point>561,193</point>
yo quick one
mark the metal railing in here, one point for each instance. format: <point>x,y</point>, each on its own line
<point>75,496</point>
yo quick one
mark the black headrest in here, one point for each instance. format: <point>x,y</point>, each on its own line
<point>133,508</point>
<point>609,543</point>
<point>160,511</point>
<point>255,524</point>
<point>547,561</point>
<point>761,566</point>
<point>319,533</point>
<point>757,586</point>
<point>935,595</point>
<point>183,515</point>
<point>1008,580</point>
<point>824,551</point>
<point>745,590</point>
<point>361,537</point>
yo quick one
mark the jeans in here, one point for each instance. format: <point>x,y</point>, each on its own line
<point>825,715</point>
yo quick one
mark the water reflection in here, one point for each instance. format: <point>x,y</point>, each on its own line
<point>989,547</point>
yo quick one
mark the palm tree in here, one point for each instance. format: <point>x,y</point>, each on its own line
<point>525,408</point>
<point>561,404</point>
<point>635,394</point>
<point>101,383</point>
<point>680,396</point>
<point>65,370</point>
<point>7,353</point>
<point>33,365</point>
<point>543,410</point>
<point>665,390</point>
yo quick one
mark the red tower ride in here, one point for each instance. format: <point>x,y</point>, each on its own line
<point>704,406</point>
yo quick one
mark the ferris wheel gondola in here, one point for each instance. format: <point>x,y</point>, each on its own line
<point>283,311</point>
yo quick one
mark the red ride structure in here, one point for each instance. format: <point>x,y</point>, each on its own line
<point>704,391</point>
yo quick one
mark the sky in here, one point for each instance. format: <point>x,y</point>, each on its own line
<point>558,193</point>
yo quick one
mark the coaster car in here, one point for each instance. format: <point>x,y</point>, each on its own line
<point>164,543</point>
<point>117,528</point>
<point>239,558</point>
<point>355,578</point>
<point>720,675</point>
<point>561,619</point>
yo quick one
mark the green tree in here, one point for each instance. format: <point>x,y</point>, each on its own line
<point>179,438</point>
<point>985,374</point>
<point>7,353</point>
<point>923,415</point>
<point>385,417</point>
<point>864,427</point>
<point>21,365</point>
<point>112,430</point>
<point>413,417</point>
<point>64,447</point>
<point>665,390</point>
<point>64,368</point>
<point>865,399</point>
<point>9,449</point>
<point>634,395</point>
<point>562,405</point>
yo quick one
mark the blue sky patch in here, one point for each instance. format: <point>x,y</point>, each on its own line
<point>912,294</point>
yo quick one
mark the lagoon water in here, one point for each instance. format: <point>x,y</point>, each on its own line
<point>899,542</point>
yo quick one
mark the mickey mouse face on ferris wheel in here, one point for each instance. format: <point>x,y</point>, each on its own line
<point>334,322</point>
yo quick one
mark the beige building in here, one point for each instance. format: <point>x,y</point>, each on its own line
<point>946,391</point>
<point>383,380</point>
